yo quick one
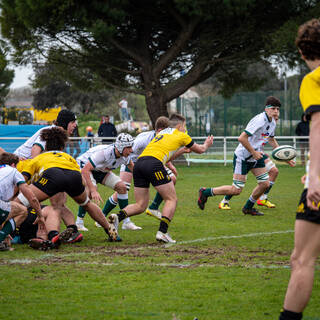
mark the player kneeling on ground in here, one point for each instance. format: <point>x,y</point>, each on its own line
<point>11,181</point>
<point>59,172</point>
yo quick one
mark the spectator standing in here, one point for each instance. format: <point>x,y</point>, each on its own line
<point>123,105</point>
<point>302,130</point>
<point>107,129</point>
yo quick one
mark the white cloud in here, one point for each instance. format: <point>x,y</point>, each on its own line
<point>21,78</point>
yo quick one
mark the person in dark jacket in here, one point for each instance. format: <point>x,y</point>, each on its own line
<point>107,129</point>
<point>302,130</point>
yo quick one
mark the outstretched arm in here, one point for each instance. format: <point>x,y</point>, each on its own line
<point>201,148</point>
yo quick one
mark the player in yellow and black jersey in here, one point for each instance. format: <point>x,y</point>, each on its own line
<point>59,172</point>
<point>149,168</point>
<point>307,226</point>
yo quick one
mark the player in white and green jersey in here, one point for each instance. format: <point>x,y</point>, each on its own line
<point>249,156</point>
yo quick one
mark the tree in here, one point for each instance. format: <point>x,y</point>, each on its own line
<point>6,75</point>
<point>155,48</point>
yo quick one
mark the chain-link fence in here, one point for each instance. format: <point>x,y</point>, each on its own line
<point>228,117</point>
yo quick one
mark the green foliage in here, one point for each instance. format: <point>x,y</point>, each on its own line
<point>143,46</point>
<point>6,75</point>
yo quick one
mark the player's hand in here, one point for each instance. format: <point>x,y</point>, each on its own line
<point>291,163</point>
<point>209,141</point>
<point>313,194</point>
<point>41,223</point>
<point>257,155</point>
<point>95,196</point>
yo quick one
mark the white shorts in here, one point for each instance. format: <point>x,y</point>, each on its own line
<point>5,205</point>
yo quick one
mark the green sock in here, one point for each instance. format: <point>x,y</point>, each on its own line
<point>8,227</point>
<point>156,202</point>
<point>123,200</point>
<point>228,197</point>
<point>250,203</point>
<point>110,204</point>
<point>81,212</point>
<point>268,190</point>
<point>208,192</point>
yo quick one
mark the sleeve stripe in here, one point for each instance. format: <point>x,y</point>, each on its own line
<point>27,174</point>
<point>40,145</point>
<point>92,163</point>
<point>20,182</point>
<point>248,133</point>
<point>189,145</point>
<point>312,109</point>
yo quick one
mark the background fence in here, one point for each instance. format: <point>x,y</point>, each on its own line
<point>228,117</point>
<point>220,152</point>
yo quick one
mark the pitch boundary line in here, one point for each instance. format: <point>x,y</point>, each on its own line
<point>248,235</point>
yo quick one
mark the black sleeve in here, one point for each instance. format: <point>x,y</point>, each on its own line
<point>190,144</point>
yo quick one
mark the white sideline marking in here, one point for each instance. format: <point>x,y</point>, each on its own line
<point>248,235</point>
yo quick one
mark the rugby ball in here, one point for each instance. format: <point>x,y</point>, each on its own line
<point>284,153</point>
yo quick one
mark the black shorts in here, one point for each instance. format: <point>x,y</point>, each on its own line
<point>149,170</point>
<point>55,180</point>
<point>27,229</point>
<point>305,213</point>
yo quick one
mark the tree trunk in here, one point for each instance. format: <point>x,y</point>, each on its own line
<point>156,106</point>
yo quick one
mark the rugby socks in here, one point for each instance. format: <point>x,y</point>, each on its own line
<point>268,190</point>
<point>122,215</point>
<point>208,192</point>
<point>164,224</point>
<point>250,203</point>
<point>123,200</point>
<point>52,234</point>
<point>110,204</point>
<point>74,227</point>
<point>227,198</point>
<point>290,315</point>
<point>156,202</point>
<point>81,212</point>
<point>8,227</point>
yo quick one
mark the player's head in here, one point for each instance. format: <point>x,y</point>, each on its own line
<point>177,121</point>
<point>124,143</point>
<point>9,159</point>
<point>55,138</point>
<point>161,123</point>
<point>272,107</point>
<point>308,40</point>
<point>67,120</point>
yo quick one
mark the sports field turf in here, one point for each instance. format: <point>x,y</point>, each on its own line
<point>224,266</point>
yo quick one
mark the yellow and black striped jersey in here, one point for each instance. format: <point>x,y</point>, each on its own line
<point>310,92</point>
<point>166,143</point>
<point>46,160</point>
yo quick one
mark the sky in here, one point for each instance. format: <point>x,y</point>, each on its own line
<point>21,77</point>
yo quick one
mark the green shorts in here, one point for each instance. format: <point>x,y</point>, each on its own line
<point>242,167</point>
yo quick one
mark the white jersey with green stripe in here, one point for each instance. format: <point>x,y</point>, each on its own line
<point>9,178</point>
<point>24,151</point>
<point>259,129</point>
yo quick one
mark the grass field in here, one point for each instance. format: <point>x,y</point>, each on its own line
<point>224,266</point>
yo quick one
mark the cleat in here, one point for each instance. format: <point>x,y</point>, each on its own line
<point>113,226</point>
<point>64,236</point>
<point>154,213</point>
<point>75,237</point>
<point>164,237</point>
<point>98,225</point>
<point>80,225</point>
<point>202,198</point>
<point>130,226</point>
<point>253,212</point>
<point>4,246</point>
<point>224,206</point>
<point>266,203</point>
<point>40,244</point>
<point>117,240</point>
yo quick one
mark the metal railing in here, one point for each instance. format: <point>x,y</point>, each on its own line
<point>220,152</point>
